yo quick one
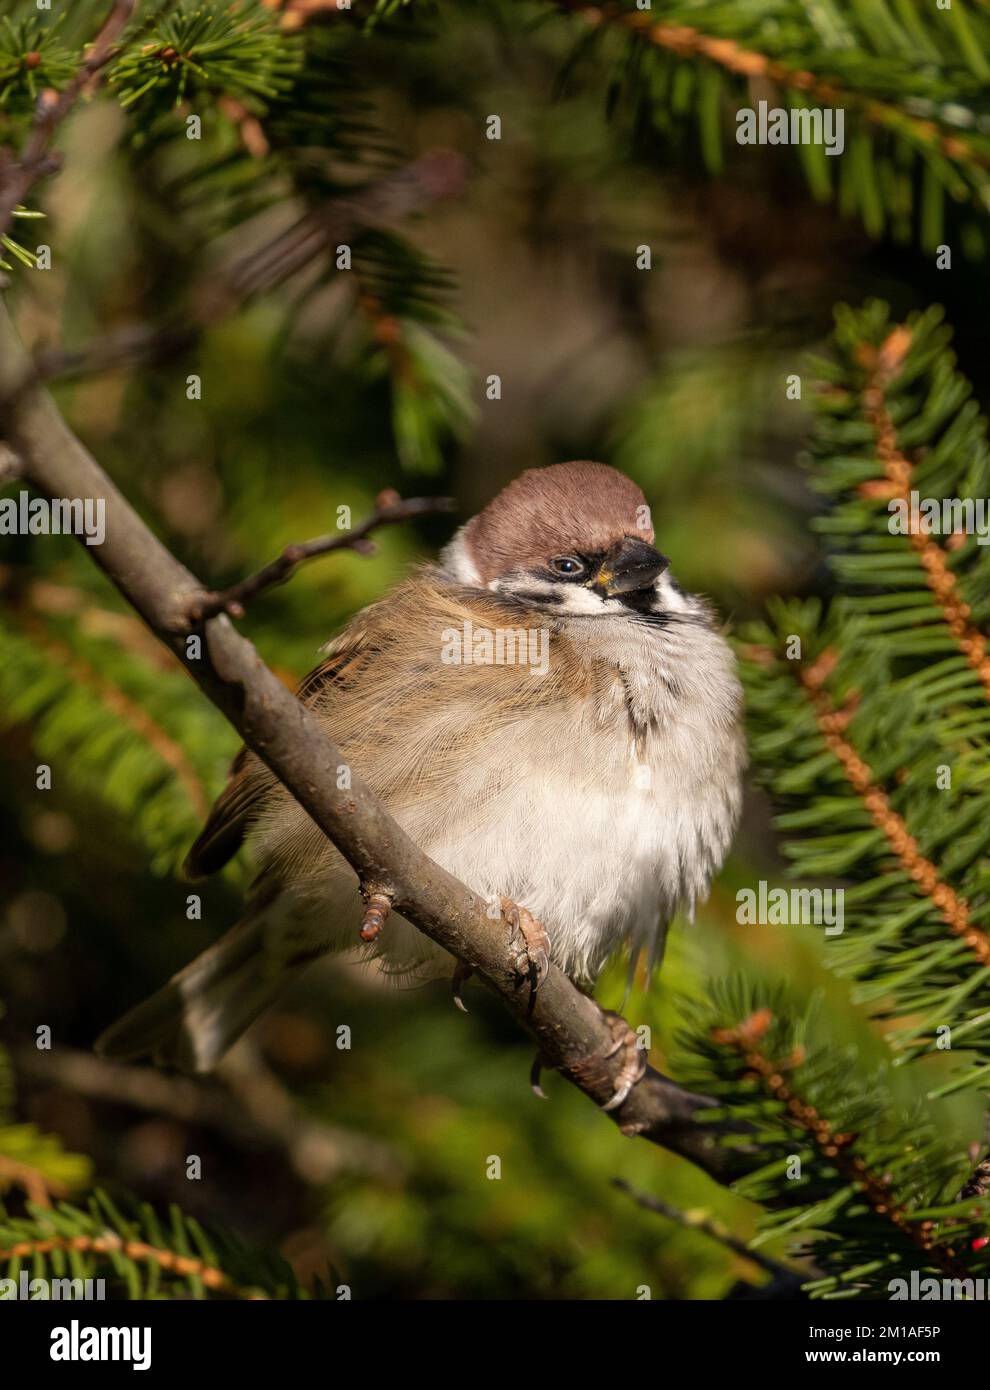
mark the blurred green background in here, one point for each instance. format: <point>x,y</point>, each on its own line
<point>372,1160</point>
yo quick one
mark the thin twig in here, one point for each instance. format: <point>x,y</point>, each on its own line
<point>252,1108</point>
<point>37,1187</point>
<point>35,159</point>
<point>389,509</point>
<point>707,1225</point>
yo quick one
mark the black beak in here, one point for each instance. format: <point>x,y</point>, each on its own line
<point>628,566</point>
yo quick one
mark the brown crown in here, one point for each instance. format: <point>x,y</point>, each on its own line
<point>568,507</point>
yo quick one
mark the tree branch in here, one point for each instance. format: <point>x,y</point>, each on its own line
<point>709,1226</point>
<point>571,1030</point>
<point>389,509</point>
<point>246,1103</point>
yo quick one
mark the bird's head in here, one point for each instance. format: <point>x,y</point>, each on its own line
<point>575,538</point>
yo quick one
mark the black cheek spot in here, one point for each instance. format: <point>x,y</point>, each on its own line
<point>538,597</point>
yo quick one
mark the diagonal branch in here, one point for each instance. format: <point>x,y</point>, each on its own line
<point>572,1031</point>
<point>708,1225</point>
<point>249,1108</point>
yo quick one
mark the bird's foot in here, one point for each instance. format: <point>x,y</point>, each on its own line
<point>529,943</point>
<point>633,1058</point>
<point>592,1070</point>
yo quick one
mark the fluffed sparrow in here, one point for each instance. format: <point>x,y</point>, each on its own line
<point>548,715</point>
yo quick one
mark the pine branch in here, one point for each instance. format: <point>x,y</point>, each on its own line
<point>954,911</point>
<point>868,1190</point>
<point>236,52</point>
<point>35,160</point>
<point>883,367</point>
<point>122,707</point>
<point>140,1256</point>
<point>120,720</point>
<point>860,59</point>
<point>882,776</point>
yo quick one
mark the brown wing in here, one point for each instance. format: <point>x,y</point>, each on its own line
<point>223,833</point>
<point>249,779</point>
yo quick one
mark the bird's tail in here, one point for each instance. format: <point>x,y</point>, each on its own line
<point>192,1021</point>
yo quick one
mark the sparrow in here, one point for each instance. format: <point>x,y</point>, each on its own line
<point>549,716</point>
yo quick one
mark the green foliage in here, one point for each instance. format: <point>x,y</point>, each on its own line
<point>140,1255</point>
<point>910,79</point>
<point>24,1148</point>
<point>32,58</point>
<point>889,659</point>
<point>203,51</point>
<point>227,65</point>
<point>871,1190</point>
<point>14,248</point>
<point>130,733</point>
<point>31,1160</point>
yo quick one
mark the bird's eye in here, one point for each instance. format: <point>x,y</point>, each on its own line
<point>568,565</point>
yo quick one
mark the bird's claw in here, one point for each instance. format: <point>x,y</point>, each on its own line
<point>529,942</point>
<point>462,973</point>
<point>633,1058</point>
<point>534,1077</point>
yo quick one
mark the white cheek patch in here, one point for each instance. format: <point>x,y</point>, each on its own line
<point>578,599</point>
<point>562,598</point>
<point>456,560</point>
<point>670,598</point>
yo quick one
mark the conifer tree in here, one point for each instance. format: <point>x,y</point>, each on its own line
<point>258,125</point>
